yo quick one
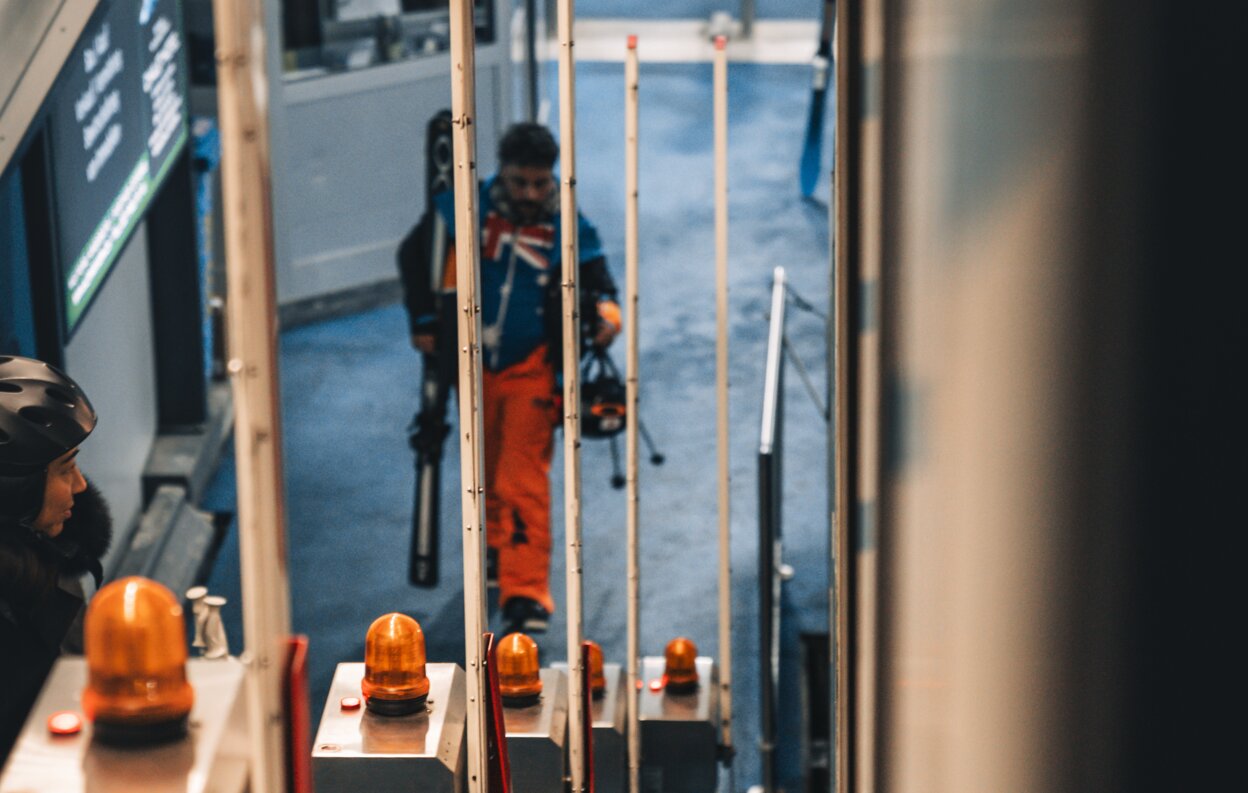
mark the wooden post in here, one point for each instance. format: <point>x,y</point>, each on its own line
<point>471,466</point>
<point>843,226</point>
<point>632,384</point>
<point>251,310</point>
<point>571,391</point>
<point>721,383</point>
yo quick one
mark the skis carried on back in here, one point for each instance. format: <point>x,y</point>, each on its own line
<point>812,148</point>
<point>428,430</point>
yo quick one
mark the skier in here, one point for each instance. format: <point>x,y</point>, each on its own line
<point>54,527</point>
<point>522,340</point>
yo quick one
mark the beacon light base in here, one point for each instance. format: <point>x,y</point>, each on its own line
<point>213,756</point>
<point>610,723</point>
<point>359,750</point>
<point>679,731</point>
<point>537,738</point>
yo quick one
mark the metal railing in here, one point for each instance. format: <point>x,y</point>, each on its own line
<point>770,567</point>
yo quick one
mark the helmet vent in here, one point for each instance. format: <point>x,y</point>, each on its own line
<point>59,395</point>
<point>10,388</point>
<point>37,415</point>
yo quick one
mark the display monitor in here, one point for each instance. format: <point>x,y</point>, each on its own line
<point>118,123</point>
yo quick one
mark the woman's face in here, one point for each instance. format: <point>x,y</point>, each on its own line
<point>64,482</point>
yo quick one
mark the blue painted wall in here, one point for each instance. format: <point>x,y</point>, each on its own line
<point>17,327</point>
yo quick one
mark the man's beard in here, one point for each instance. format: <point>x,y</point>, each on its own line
<point>527,211</point>
<point>523,212</point>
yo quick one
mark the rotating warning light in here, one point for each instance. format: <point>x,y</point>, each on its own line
<point>394,666</point>
<point>135,638</point>
<point>597,678</point>
<point>519,678</point>
<point>681,671</point>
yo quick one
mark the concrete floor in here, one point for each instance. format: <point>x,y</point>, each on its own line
<point>349,387</point>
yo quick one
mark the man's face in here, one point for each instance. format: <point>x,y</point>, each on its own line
<point>64,482</point>
<point>529,187</point>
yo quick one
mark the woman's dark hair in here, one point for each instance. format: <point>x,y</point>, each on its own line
<point>528,144</point>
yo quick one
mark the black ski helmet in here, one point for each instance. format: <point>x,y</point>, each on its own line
<point>43,414</point>
<point>604,411</point>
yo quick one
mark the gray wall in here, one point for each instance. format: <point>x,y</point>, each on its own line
<point>111,357</point>
<point>353,170</point>
<point>348,159</point>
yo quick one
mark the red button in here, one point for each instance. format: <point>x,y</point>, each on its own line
<point>656,684</point>
<point>349,703</point>
<point>65,722</point>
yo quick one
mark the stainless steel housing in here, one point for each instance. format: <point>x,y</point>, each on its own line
<point>212,757</point>
<point>537,738</point>
<point>679,732</point>
<point>359,750</point>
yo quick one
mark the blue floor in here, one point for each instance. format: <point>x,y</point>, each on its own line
<point>349,387</point>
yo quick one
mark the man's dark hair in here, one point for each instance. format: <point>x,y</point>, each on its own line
<point>528,144</point>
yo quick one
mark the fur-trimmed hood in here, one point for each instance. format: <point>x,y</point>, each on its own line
<point>31,562</point>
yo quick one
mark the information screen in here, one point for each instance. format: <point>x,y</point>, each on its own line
<point>119,122</point>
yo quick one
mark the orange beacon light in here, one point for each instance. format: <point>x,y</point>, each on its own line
<point>597,677</point>
<point>135,638</point>
<point>394,666</point>
<point>519,676</point>
<point>681,671</point>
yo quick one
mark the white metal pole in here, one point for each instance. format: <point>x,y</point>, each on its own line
<point>632,383</point>
<point>721,383</point>
<point>468,287</point>
<point>252,334</point>
<point>571,392</point>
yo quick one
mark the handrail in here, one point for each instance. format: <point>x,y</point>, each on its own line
<point>774,367</point>
<point>770,490</point>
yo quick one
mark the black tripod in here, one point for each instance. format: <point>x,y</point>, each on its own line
<point>618,479</point>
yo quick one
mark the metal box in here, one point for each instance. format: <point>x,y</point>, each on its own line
<point>610,712</point>
<point>212,757</point>
<point>679,732</point>
<point>358,750</point>
<point>537,745</point>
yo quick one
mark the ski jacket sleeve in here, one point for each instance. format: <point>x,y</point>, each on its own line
<point>597,291</point>
<point>416,274</point>
<point>597,285</point>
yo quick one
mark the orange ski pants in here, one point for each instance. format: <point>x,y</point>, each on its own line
<point>520,417</point>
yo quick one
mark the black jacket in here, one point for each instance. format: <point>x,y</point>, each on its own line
<point>35,612</point>
<point>420,269</point>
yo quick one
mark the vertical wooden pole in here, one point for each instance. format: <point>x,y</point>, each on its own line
<point>842,495</point>
<point>632,385</point>
<point>844,228</point>
<point>721,386</point>
<point>571,390</point>
<point>468,288</point>
<point>251,311</point>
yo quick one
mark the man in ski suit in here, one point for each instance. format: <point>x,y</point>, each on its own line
<point>522,339</point>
